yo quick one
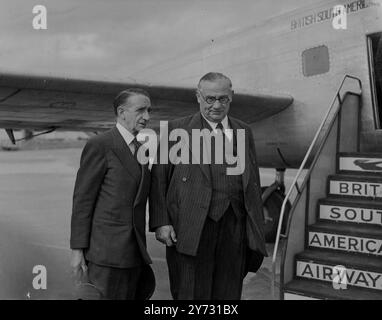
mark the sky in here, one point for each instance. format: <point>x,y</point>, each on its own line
<point>114,39</point>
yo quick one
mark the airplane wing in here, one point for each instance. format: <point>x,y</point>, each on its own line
<point>40,103</point>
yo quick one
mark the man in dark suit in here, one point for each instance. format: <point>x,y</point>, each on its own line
<point>210,221</point>
<point>108,239</point>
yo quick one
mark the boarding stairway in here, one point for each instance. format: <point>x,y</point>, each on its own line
<point>332,246</point>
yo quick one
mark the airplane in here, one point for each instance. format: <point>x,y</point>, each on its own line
<point>286,70</point>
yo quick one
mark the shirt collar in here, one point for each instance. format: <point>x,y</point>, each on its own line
<point>126,134</point>
<point>213,125</point>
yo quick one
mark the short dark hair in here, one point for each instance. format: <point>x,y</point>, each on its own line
<point>212,76</point>
<point>124,95</point>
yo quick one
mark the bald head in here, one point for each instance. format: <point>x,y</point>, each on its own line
<point>214,77</point>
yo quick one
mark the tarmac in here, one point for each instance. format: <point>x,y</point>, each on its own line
<point>36,188</point>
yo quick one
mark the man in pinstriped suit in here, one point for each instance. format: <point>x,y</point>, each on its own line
<point>211,222</point>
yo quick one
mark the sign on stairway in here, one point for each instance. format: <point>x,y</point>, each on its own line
<point>360,164</point>
<point>356,189</point>
<point>351,214</point>
<point>358,278</point>
<point>345,243</point>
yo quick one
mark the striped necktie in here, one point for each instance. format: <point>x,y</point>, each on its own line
<point>137,145</point>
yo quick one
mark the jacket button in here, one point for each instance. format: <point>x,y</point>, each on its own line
<point>184,179</point>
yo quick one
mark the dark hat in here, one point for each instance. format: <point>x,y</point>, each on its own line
<point>145,287</point>
<point>146,284</point>
<point>254,259</point>
<point>87,291</point>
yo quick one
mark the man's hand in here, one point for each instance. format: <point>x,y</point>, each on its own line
<point>78,264</point>
<point>166,235</point>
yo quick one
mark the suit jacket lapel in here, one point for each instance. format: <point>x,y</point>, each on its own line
<point>124,154</point>
<point>196,123</point>
<point>143,185</point>
<point>243,162</point>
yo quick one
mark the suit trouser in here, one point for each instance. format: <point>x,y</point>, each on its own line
<point>114,283</point>
<point>217,271</point>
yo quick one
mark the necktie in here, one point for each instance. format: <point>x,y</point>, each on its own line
<point>137,145</point>
<point>225,137</point>
<point>221,148</point>
<point>220,127</point>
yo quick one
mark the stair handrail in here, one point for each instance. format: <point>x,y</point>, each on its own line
<point>302,166</point>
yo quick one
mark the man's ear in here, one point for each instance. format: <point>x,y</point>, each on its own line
<point>120,112</point>
<point>197,96</point>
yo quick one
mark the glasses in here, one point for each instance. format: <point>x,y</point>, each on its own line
<point>212,100</point>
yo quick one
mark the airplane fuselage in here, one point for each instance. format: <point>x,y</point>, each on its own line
<point>268,58</point>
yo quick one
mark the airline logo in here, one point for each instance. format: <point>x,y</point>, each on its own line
<point>358,278</point>
<point>358,189</point>
<point>351,214</point>
<point>345,243</point>
<point>361,164</point>
<point>335,14</point>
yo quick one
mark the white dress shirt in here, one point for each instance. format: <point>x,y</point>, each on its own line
<point>127,136</point>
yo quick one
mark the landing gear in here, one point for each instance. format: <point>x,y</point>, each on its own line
<point>12,145</point>
<point>273,197</point>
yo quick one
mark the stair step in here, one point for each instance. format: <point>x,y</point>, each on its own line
<point>355,186</point>
<point>360,271</point>
<point>324,290</point>
<point>367,163</point>
<point>369,263</point>
<point>295,296</point>
<point>353,239</point>
<point>358,230</point>
<point>358,212</point>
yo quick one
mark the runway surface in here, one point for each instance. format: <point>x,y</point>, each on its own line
<point>35,207</point>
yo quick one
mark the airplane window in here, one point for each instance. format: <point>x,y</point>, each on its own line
<point>315,61</point>
<point>375,62</point>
